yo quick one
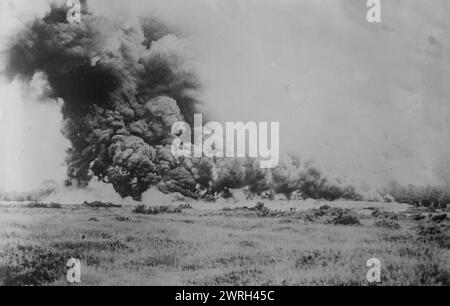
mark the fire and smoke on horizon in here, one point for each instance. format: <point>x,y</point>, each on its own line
<point>96,100</point>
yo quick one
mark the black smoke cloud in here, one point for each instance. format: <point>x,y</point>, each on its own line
<point>123,87</point>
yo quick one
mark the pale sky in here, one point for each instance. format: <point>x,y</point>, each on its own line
<point>365,101</point>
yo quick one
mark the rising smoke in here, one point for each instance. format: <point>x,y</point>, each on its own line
<point>366,102</point>
<point>123,87</point>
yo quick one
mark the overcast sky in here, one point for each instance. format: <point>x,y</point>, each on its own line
<point>366,101</point>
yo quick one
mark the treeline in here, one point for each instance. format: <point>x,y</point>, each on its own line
<point>428,196</point>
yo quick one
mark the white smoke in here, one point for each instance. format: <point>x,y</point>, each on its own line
<point>96,191</point>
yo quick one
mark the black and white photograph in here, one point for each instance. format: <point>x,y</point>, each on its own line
<point>208,144</point>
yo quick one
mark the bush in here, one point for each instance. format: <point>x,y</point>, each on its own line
<point>438,233</point>
<point>31,266</point>
<point>99,204</point>
<point>42,205</point>
<point>147,210</point>
<point>346,219</point>
<point>331,215</point>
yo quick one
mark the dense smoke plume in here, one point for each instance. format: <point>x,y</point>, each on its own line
<point>123,87</point>
<point>367,102</point>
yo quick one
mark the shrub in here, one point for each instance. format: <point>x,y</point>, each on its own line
<point>346,219</point>
<point>435,233</point>
<point>31,266</point>
<point>42,205</point>
<point>99,204</point>
<point>331,215</point>
<point>147,210</point>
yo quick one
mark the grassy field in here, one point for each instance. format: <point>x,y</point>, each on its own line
<point>222,246</point>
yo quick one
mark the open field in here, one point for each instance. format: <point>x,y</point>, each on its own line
<point>232,246</point>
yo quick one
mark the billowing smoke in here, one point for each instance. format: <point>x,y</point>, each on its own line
<point>123,86</point>
<point>369,108</point>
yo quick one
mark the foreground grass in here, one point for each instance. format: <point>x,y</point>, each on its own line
<point>204,247</point>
